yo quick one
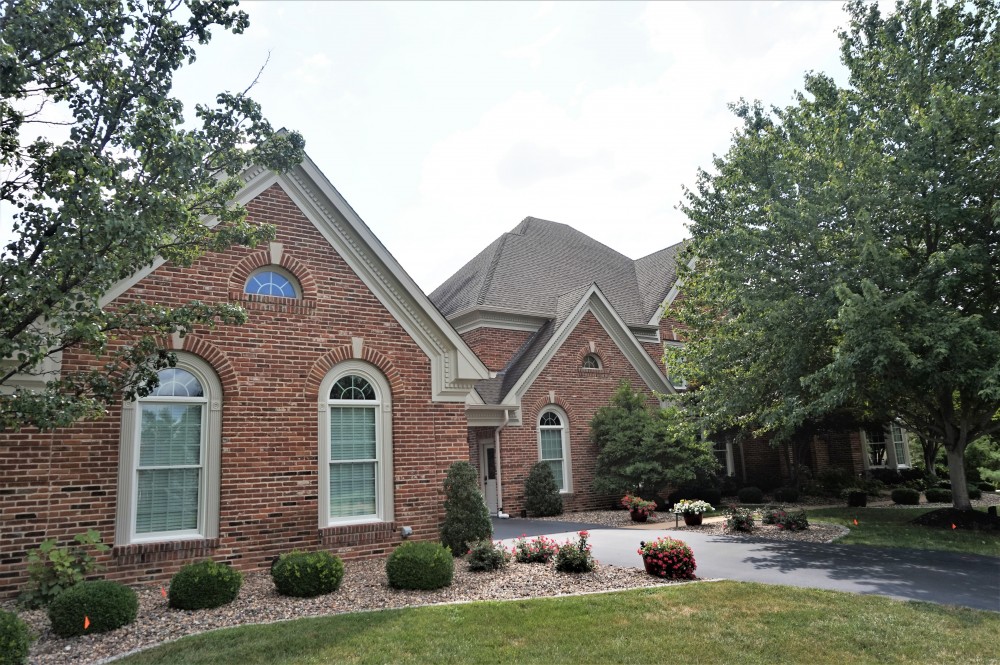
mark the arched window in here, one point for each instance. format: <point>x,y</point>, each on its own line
<point>355,446</point>
<point>272,281</point>
<point>590,361</point>
<point>169,477</point>
<point>553,445</point>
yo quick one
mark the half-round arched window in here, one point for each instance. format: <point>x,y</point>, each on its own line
<point>590,361</point>
<point>271,281</point>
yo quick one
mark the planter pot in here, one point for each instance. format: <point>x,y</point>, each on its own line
<point>652,568</point>
<point>638,516</point>
<point>693,519</point>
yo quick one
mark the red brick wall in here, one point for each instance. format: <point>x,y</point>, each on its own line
<point>58,485</point>
<point>495,346</point>
<point>579,392</point>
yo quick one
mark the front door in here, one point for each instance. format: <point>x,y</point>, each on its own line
<point>488,465</point>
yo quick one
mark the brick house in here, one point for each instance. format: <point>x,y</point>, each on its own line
<point>328,420</point>
<point>560,319</point>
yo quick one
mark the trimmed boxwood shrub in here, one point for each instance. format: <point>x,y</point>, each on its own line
<point>905,496</point>
<point>857,498</point>
<point>202,585</point>
<point>108,605</point>
<point>541,493</point>
<point>975,493</point>
<point>938,495</point>
<point>15,639</point>
<point>420,565</point>
<point>307,574</point>
<point>987,487</point>
<point>787,494</point>
<point>750,495</point>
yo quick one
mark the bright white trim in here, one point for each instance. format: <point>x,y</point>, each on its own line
<point>496,318</point>
<point>671,296</point>
<point>383,442</point>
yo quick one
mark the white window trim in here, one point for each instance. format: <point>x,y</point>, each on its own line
<point>891,460</point>
<point>296,287</point>
<point>596,358</point>
<point>383,442</point>
<point>211,458</point>
<point>564,429</point>
<point>730,462</point>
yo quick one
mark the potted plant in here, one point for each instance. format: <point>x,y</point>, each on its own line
<point>668,557</point>
<point>639,509</point>
<point>692,510</point>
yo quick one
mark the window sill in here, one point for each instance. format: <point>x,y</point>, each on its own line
<point>273,304</point>
<point>358,533</point>
<point>163,550</point>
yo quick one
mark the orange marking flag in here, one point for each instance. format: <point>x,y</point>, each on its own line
<point>953,526</point>
<point>855,521</point>
<point>163,592</point>
<point>86,622</point>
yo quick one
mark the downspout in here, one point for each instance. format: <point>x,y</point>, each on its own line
<point>496,451</point>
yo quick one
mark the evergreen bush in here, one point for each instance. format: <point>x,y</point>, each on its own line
<point>307,574</point>
<point>975,493</point>
<point>938,495</point>
<point>466,518</point>
<point>92,607</point>
<point>420,565</point>
<point>15,639</point>
<point>905,496</point>
<point>487,556</point>
<point>750,495</point>
<point>202,585</point>
<point>786,494</point>
<point>541,493</point>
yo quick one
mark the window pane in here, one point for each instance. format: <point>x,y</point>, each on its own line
<point>556,467</point>
<point>352,433</point>
<point>900,443</point>
<point>171,435</point>
<point>549,419</point>
<point>352,489</point>
<point>590,362</point>
<point>178,383</point>
<point>167,500</point>
<point>352,387</point>
<point>721,451</point>
<point>270,283</point>
<point>876,447</point>
<point>551,444</point>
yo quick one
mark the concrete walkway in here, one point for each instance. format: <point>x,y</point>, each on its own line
<point>967,580</point>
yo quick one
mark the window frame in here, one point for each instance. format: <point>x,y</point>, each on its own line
<point>384,488</point>
<point>594,357</point>
<point>892,461</point>
<point>563,428</point>
<point>730,466</point>
<point>296,287</point>
<point>210,459</point>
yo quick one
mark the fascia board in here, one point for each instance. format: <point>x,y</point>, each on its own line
<point>594,301</point>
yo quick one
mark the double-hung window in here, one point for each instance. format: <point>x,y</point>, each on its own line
<point>552,446</point>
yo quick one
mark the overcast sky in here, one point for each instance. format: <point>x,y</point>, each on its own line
<point>445,124</point>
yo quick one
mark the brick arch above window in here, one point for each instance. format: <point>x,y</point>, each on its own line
<point>593,351</point>
<point>202,348</point>
<point>536,409</point>
<point>321,368</point>
<point>286,263</point>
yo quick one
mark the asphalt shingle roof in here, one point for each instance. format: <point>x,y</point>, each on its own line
<point>528,269</point>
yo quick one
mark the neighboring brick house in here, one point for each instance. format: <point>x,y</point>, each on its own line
<point>328,420</point>
<point>560,319</point>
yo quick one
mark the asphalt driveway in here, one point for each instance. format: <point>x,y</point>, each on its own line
<point>967,580</point>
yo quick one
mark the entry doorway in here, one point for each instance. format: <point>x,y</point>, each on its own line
<point>488,473</point>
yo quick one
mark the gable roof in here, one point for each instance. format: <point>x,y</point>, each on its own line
<point>513,381</point>
<point>528,269</point>
<point>455,369</point>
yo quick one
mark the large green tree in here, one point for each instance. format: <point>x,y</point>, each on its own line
<point>125,181</point>
<point>643,450</point>
<point>848,247</point>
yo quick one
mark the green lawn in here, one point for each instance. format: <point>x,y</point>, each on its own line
<point>696,623</point>
<point>889,527</point>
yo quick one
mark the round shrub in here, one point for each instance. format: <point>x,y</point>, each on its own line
<point>420,565</point>
<point>107,605</point>
<point>750,495</point>
<point>987,487</point>
<point>487,556</point>
<point>205,584</point>
<point>307,574</point>
<point>938,495</point>
<point>15,639</point>
<point>466,518</point>
<point>975,493</point>
<point>541,493</point>
<point>905,496</point>
<point>787,494</point>
<point>856,498</point>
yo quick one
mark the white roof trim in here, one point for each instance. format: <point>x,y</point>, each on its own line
<point>455,369</point>
<point>596,302</point>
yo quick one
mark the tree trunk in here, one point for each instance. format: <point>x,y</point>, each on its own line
<point>930,451</point>
<point>956,471</point>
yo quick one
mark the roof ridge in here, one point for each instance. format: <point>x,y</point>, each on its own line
<point>488,277</point>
